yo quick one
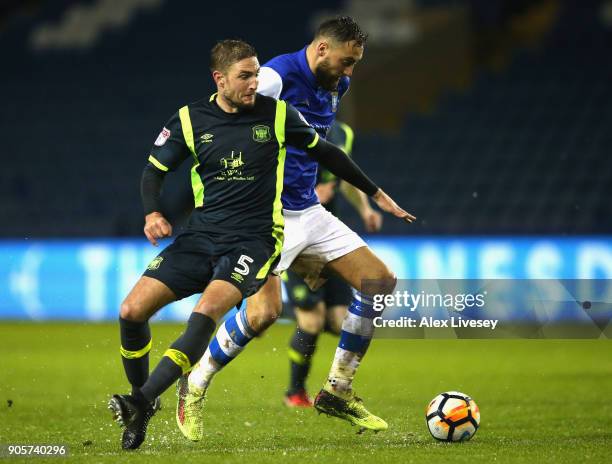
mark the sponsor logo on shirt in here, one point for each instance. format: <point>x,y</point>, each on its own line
<point>232,162</point>
<point>231,168</point>
<point>207,138</point>
<point>163,136</point>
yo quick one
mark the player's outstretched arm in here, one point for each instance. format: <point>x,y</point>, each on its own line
<point>156,225</point>
<point>334,159</point>
<point>301,135</point>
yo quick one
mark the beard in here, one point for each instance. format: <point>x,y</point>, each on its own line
<point>237,103</point>
<point>325,78</point>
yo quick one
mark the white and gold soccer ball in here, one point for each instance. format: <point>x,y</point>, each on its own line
<point>452,416</point>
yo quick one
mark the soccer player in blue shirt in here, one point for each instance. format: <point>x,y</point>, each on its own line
<point>323,310</point>
<point>313,80</point>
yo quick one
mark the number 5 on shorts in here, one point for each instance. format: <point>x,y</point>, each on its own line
<point>243,265</point>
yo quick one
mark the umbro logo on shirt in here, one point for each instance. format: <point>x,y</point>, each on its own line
<point>207,138</point>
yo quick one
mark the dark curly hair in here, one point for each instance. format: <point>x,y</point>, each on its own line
<point>342,29</point>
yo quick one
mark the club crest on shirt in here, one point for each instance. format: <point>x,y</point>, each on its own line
<point>261,133</point>
<point>162,137</point>
<point>334,101</point>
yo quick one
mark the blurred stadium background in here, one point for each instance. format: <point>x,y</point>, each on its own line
<point>488,119</point>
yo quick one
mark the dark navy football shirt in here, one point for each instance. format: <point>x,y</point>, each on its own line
<point>237,162</point>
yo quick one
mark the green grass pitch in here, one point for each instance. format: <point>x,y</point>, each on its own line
<point>541,400</point>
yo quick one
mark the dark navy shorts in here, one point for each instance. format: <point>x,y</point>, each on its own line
<point>195,259</point>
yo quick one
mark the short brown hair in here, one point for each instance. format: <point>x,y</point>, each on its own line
<point>342,29</point>
<point>227,52</point>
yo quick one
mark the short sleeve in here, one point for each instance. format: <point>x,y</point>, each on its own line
<point>270,82</point>
<point>169,149</point>
<point>298,132</point>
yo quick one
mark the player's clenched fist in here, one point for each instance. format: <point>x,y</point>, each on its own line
<point>156,227</point>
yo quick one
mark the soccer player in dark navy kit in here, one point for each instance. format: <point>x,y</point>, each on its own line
<point>236,140</point>
<point>317,243</point>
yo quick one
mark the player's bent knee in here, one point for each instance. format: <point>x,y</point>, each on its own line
<point>131,311</point>
<point>311,323</point>
<point>270,314</point>
<point>384,281</point>
<point>389,281</point>
<point>312,320</point>
<point>268,311</point>
<point>263,316</point>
